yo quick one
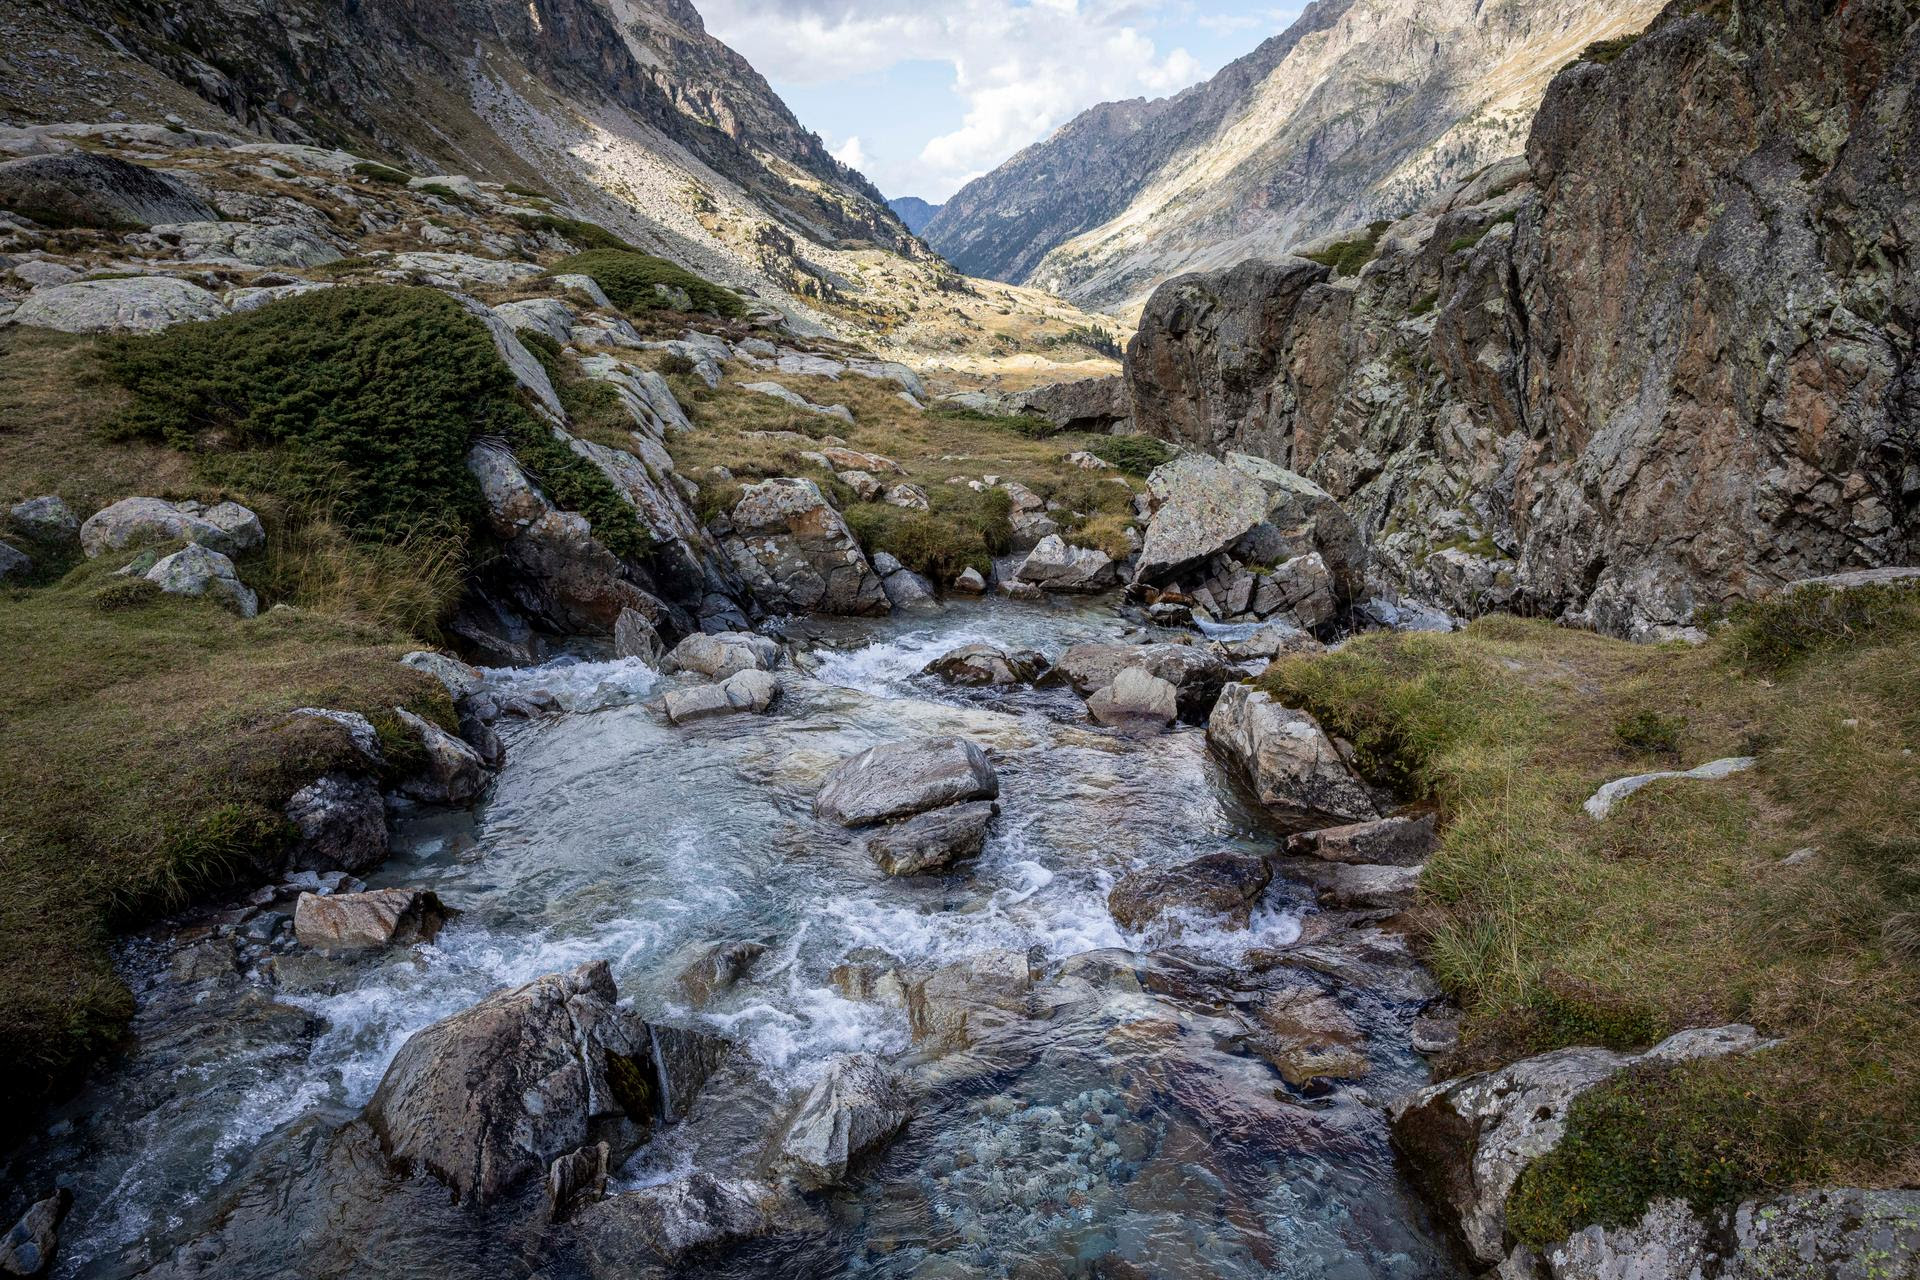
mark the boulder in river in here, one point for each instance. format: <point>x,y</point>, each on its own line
<point>665,1222</point>
<point>899,779</point>
<point>984,664</point>
<point>855,1107</point>
<point>1357,886</point>
<point>933,840</point>
<point>27,1248</point>
<point>377,918</point>
<point>958,1005</point>
<point>797,553</point>
<point>634,636</point>
<point>717,967</point>
<point>743,691</point>
<point>1293,767</point>
<point>1137,700</point>
<point>723,653</point>
<point>1219,884</point>
<point>454,773</point>
<point>1195,671</point>
<point>1307,1036</point>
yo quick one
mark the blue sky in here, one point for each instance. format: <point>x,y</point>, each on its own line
<point>923,95</point>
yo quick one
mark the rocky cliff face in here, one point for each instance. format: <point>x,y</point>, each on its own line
<point>1363,109</point>
<point>1665,363</point>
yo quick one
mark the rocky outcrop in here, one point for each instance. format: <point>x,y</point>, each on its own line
<point>1467,396</point>
<point>77,189</point>
<point>900,779</point>
<point>137,304</point>
<point>1089,404</point>
<point>454,773</point>
<point>724,653</point>
<point>796,553</point>
<point>1293,767</point>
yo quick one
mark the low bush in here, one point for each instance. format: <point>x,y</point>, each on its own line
<point>633,281</point>
<point>1135,455</point>
<point>584,235</point>
<point>942,542</point>
<point>1649,732</point>
<point>374,171</point>
<point>1348,256</point>
<point>1773,635</point>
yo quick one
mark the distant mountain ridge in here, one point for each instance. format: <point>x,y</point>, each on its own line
<point>914,211</point>
<point>1362,109</point>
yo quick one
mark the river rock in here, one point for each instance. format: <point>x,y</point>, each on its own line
<point>195,570</point>
<point>931,841</point>
<point>797,553</point>
<point>228,527</point>
<point>959,1005</point>
<point>986,664</point>
<point>854,1108</point>
<point>1293,767</point>
<point>378,918</point>
<point>970,581</point>
<point>717,967</point>
<point>899,779</point>
<point>83,189</point>
<point>1307,1036</point>
<point>1136,700</point>
<point>136,304</point>
<point>1347,886</point>
<point>1196,673</point>
<point>1219,884</point>
<point>665,1222</point>
<point>724,653</point>
<point>455,773</point>
<point>28,1247</point>
<point>1396,842</point>
<point>1469,1139</point>
<point>46,522</point>
<point>743,691</point>
<point>1054,566</point>
<point>1273,640</point>
<point>341,823</point>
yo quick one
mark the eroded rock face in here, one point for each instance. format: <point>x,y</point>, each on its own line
<point>796,552</point>
<point>899,779</point>
<point>1291,765</point>
<point>1468,399</point>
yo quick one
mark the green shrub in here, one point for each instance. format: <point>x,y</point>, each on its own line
<point>516,189</point>
<point>1426,302</point>
<point>628,277</point>
<point>1774,634</point>
<point>1649,732</point>
<point>586,235</point>
<point>125,593</point>
<point>1135,455</point>
<point>445,192</point>
<point>1473,238</point>
<point>938,543</point>
<point>374,171</point>
<point>1348,256</point>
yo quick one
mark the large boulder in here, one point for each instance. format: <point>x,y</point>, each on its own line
<point>46,522</point>
<point>1135,700</point>
<point>1196,673</point>
<point>250,244</point>
<point>136,304</point>
<point>195,570</point>
<point>749,691</point>
<point>82,189</point>
<point>1469,1139</point>
<point>130,523</point>
<point>1292,766</point>
<point>28,1247</point>
<point>1219,884</point>
<point>899,779</point>
<point>377,918</point>
<point>933,840</point>
<point>1090,404</point>
<point>1052,565</point>
<point>854,1108</point>
<point>796,552</point>
<point>986,664</point>
<point>723,653</point>
<point>454,772</point>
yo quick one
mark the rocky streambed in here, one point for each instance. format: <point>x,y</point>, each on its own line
<point>753,1052</point>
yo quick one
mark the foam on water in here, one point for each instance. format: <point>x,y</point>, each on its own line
<point>578,684</point>
<point>885,667</point>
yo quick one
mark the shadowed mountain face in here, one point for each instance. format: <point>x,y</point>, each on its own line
<point>914,211</point>
<point>1363,109</point>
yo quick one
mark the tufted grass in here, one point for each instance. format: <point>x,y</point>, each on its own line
<point>1680,910</point>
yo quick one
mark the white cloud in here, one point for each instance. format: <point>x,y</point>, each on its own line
<point>1021,69</point>
<point>851,153</point>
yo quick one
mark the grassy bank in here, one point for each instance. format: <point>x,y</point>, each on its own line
<point>1693,904</point>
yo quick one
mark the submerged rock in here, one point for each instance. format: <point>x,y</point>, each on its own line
<point>1219,884</point>
<point>932,841</point>
<point>378,918</point>
<point>664,1223</point>
<point>959,1005</point>
<point>856,1107</point>
<point>899,779</point>
<point>1292,766</point>
<point>1307,1036</point>
<point>717,967</point>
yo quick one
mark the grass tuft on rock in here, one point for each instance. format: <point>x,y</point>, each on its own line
<point>639,282</point>
<point>1347,257</point>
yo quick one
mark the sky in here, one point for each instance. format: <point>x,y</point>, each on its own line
<point>923,96</point>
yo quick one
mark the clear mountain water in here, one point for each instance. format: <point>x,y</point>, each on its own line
<point>1126,1128</point>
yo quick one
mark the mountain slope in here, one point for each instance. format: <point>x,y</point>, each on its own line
<point>1363,109</point>
<point>914,211</point>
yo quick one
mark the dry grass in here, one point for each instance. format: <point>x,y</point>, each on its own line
<point>1680,910</point>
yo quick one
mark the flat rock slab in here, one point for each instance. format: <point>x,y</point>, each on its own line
<point>899,779</point>
<point>933,840</point>
<point>140,304</point>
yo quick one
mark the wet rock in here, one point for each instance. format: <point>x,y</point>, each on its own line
<point>28,1247</point>
<point>1136,700</point>
<point>1469,1139</point>
<point>82,189</point>
<point>1435,1031</point>
<point>959,1005</point>
<point>905,589</point>
<point>341,823</point>
<point>136,304</point>
<point>717,967</point>
<point>1292,766</point>
<point>1600,804</point>
<point>856,1107</point>
<point>743,691</point>
<point>575,1179</point>
<point>1219,884</point>
<point>195,570</point>
<point>1307,1036</point>
<point>1394,842</point>
<point>664,1223</point>
<point>143,522</point>
<point>455,773</point>
<point>46,522</point>
<point>899,779</point>
<point>933,840</point>
<point>970,582</point>
<point>986,664</point>
<point>796,552</point>
<point>724,653</point>
<point>1054,566</point>
<point>1345,886</point>
<point>1196,673</point>
<point>378,918</point>
<point>494,1094</point>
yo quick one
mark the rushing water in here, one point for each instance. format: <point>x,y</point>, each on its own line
<point>1126,1126</point>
